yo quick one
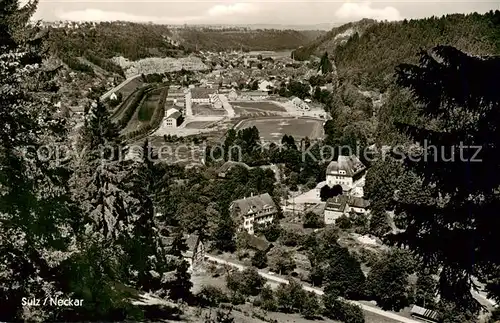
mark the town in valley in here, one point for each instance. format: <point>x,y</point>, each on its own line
<point>219,173</point>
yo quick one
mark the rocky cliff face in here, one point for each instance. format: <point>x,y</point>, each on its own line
<point>159,65</point>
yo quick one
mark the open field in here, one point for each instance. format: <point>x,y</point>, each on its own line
<point>131,86</point>
<point>206,110</point>
<point>257,109</point>
<point>198,124</point>
<point>148,108</point>
<point>273,129</point>
<point>265,106</point>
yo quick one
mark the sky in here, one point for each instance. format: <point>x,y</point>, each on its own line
<point>253,11</point>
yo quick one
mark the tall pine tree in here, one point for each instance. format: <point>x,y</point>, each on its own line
<point>456,227</point>
<point>36,219</point>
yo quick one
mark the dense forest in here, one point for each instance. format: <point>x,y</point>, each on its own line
<point>369,56</point>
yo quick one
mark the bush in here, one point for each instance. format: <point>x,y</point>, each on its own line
<point>248,282</point>
<point>344,222</point>
<point>290,238</point>
<point>259,260</point>
<point>271,231</point>
<point>238,299</point>
<point>267,299</point>
<point>342,311</point>
<point>211,296</point>
<point>291,297</point>
<point>312,220</point>
<point>282,262</point>
<point>310,306</point>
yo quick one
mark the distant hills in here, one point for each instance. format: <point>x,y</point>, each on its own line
<point>367,51</point>
<point>99,42</point>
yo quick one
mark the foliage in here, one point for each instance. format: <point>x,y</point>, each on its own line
<point>312,220</point>
<point>271,231</point>
<point>38,220</point>
<point>379,225</point>
<point>425,290</point>
<point>224,233</point>
<point>325,65</point>
<point>386,44</point>
<point>290,237</point>
<point>456,90</point>
<point>281,261</point>
<point>343,274</point>
<point>326,192</point>
<point>248,282</point>
<point>211,296</point>
<point>259,259</point>
<point>310,307</point>
<point>341,310</point>
<point>220,317</point>
<point>387,281</point>
<point>290,297</point>
<point>267,299</point>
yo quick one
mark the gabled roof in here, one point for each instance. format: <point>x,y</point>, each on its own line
<point>358,202</point>
<point>350,164</point>
<point>253,204</point>
<point>202,93</point>
<point>337,203</point>
<point>173,113</point>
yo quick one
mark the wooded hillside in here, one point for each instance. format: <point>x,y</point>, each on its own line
<point>369,56</point>
<point>100,42</point>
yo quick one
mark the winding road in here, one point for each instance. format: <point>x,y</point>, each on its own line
<point>274,280</point>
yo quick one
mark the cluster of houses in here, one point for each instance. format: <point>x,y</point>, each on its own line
<point>346,172</point>
<point>211,96</point>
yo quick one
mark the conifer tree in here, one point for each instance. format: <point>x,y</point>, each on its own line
<point>456,227</point>
<point>325,66</point>
<point>36,220</point>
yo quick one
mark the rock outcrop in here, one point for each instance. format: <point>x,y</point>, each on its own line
<point>159,65</point>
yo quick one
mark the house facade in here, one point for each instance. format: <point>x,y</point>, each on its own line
<point>345,171</point>
<point>335,208</point>
<point>171,117</point>
<point>202,95</point>
<point>255,209</point>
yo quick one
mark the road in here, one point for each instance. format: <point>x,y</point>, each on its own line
<point>119,86</point>
<point>278,280</point>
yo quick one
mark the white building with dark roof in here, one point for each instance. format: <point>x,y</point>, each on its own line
<point>171,117</point>
<point>346,171</point>
<point>344,205</point>
<point>255,209</point>
<point>202,95</point>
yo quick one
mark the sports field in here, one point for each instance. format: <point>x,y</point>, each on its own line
<point>257,109</point>
<point>207,110</point>
<point>273,129</point>
<point>198,124</point>
<point>149,106</point>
